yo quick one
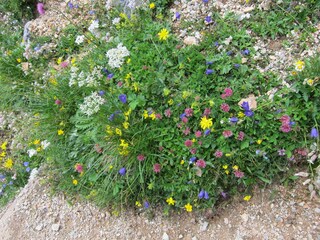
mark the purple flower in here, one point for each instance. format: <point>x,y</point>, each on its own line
<point>28,169</point>
<point>248,113</point>
<point>229,53</point>
<point>216,44</point>
<point>245,52</point>
<point>110,75</point>
<point>292,123</point>
<point>282,152</point>
<point>245,106</point>
<point>192,159</point>
<point>70,5</point>
<point>111,118</point>
<point>122,171</point>
<point>146,204</point>
<point>207,132</point>
<point>209,62</point>
<point>314,133</point>
<point>101,93</point>
<point>106,71</point>
<point>208,19</point>
<point>123,98</point>
<point>177,15</point>
<point>26,164</point>
<point>91,12</point>
<point>233,120</point>
<point>182,115</point>
<point>223,194</point>
<point>209,71</point>
<point>40,8</point>
<point>237,65</point>
<point>201,194</point>
<point>206,195</point>
<point>205,1</point>
<point>10,183</point>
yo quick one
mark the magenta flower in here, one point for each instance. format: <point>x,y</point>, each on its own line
<point>228,92</point>
<point>188,143</point>
<point>285,128</point>
<point>227,133</point>
<point>198,134</point>
<point>186,131</point>
<point>218,154</point>
<point>193,151</point>
<point>140,157</point>
<point>157,168</point>
<point>64,64</point>
<point>207,112</point>
<point>188,112</point>
<point>184,120</point>
<point>225,107</point>
<point>167,112</point>
<point>201,163</point>
<point>58,102</point>
<point>240,136</point>
<point>40,8</point>
<point>238,174</point>
<point>285,119</point>
<point>158,116</point>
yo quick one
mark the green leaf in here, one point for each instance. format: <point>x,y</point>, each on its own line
<point>264,179</point>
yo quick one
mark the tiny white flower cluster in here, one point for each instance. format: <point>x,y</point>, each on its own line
<point>91,104</point>
<point>116,56</point>
<point>79,39</point>
<point>93,26</point>
<point>116,21</point>
<point>32,152</point>
<point>85,79</point>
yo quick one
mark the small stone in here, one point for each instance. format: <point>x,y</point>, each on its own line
<point>165,236</point>
<point>204,226</point>
<point>317,210</point>
<point>194,238</point>
<point>39,227</point>
<point>245,217</point>
<point>226,221</point>
<point>180,236</point>
<point>248,9</point>
<point>189,40</point>
<point>55,227</point>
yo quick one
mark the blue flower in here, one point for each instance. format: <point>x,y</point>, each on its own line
<point>314,133</point>
<point>205,1</point>
<point>10,183</point>
<point>146,204</point>
<point>229,53</point>
<point>208,19</point>
<point>91,12</point>
<point>245,106</point>
<point>216,44</point>
<point>233,120</point>
<point>111,118</point>
<point>110,75</point>
<point>193,159</point>
<point>245,52</point>
<point>207,132</point>
<point>101,93</point>
<point>248,113</point>
<point>258,151</point>
<point>209,62</point>
<point>182,115</point>
<point>26,164</point>
<point>177,15</point>
<point>209,71</point>
<point>237,65</point>
<point>122,171</point>
<point>2,177</point>
<point>206,195</point>
<point>28,169</point>
<point>106,71</point>
<point>201,194</point>
<point>70,5</point>
<point>292,123</point>
<point>123,98</point>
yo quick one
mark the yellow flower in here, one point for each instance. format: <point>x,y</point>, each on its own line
<point>182,162</point>
<point>152,5</point>
<point>259,141</point>
<point>170,102</point>
<point>193,140</point>
<point>247,198</point>
<point>211,103</point>
<point>128,60</point>
<point>135,86</point>
<point>227,172</point>
<point>109,130</point>
<point>3,154</point>
<point>19,60</point>
<point>39,149</point>
<point>110,167</point>
<point>299,65</point>
<point>118,131</point>
<point>73,60</point>
<point>308,81</point>
<point>166,91</point>
<point>235,167</point>
<point>228,154</point>
<point>123,143</point>
<point>124,152</point>
<point>293,73</point>
<point>138,204</point>
<point>75,181</point>
<point>241,114</point>
<point>4,145</point>
<point>59,60</point>
<point>125,125</point>
<point>36,142</point>
<point>185,94</point>
<point>163,34</point>
<point>170,201</point>
<point>60,132</point>
<point>145,114</point>
<point>206,123</point>
<point>53,81</point>
<point>37,123</point>
<point>127,113</point>
<point>8,164</point>
<point>225,166</point>
<point>152,116</point>
<point>188,207</point>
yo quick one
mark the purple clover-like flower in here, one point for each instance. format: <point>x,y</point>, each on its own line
<point>123,98</point>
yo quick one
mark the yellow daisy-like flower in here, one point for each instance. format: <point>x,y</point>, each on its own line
<point>163,34</point>
<point>3,154</point>
<point>185,94</point>
<point>60,132</point>
<point>152,5</point>
<point>166,91</point>
<point>247,198</point>
<point>188,207</point>
<point>227,172</point>
<point>228,154</point>
<point>206,123</point>
<point>135,86</point>
<point>109,130</point>
<point>4,145</point>
<point>123,143</point>
<point>138,204</point>
<point>125,125</point>
<point>75,182</point>
<point>299,65</point>
<point>225,166</point>
<point>170,201</point>
<point>8,164</point>
<point>235,167</point>
<point>118,131</point>
<point>19,60</point>
<point>36,142</point>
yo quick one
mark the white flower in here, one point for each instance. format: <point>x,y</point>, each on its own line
<point>91,104</point>
<point>45,144</point>
<point>79,39</point>
<point>116,56</point>
<point>94,25</point>
<point>32,152</point>
<point>116,21</point>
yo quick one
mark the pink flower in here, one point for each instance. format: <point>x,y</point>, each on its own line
<point>58,102</point>
<point>198,134</point>
<point>188,112</point>
<point>218,154</point>
<point>200,142</point>
<point>156,168</point>
<point>184,120</point>
<point>161,148</point>
<point>285,119</point>
<point>228,92</point>
<point>167,113</point>
<point>238,174</point>
<point>186,131</point>
<point>223,96</point>
<point>140,157</point>
<point>64,64</point>
<point>40,8</point>
<point>193,151</point>
<point>225,107</point>
<point>285,128</point>
<point>119,84</point>
<point>78,167</point>
<point>188,143</point>
<point>201,163</point>
<point>240,136</point>
<point>207,112</point>
<point>227,133</point>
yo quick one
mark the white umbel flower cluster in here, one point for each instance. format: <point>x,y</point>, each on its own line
<point>91,104</point>
<point>116,56</point>
<point>85,79</point>
<point>79,39</point>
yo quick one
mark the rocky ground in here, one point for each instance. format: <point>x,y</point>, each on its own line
<point>276,212</point>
